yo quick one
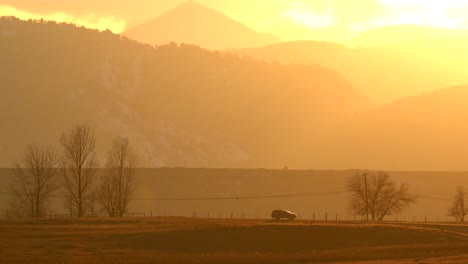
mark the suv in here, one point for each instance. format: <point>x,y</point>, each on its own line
<point>279,214</point>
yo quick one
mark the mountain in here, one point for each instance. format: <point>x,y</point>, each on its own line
<point>383,73</point>
<point>194,23</point>
<point>427,132</point>
<point>185,106</point>
<point>180,104</point>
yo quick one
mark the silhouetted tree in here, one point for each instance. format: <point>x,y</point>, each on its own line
<point>118,184</point>
<point>34,180</point>
<point>106,195</point>
<point>459,208</point>
<point>15,209</point>
<point>375,195</point>
<point>79,168</point>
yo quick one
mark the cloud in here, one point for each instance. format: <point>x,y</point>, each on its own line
<point>90,20</point>
<point>326,20</point>
<point>422,3</point>
<point>334,20</point>
<point>440,14</point>
<point>133,12</point>
<point>303,14</point>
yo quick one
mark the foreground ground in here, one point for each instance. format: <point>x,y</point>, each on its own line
<point>188,240</point>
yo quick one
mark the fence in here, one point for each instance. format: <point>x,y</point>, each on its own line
<point>325,217</point>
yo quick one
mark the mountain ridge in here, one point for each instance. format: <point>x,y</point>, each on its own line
<point>181,105</point>
<point>193,23</point>
<point>382,73</point>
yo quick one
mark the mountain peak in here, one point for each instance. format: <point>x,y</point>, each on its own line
<point>194,23</point>
<point>193,8</point>
<point>192,3</point>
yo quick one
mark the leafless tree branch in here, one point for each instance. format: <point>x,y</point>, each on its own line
<point>459,209</point>
<point>375,195</point>
<point>35,179</point>
<point>118,184</point>
<point>79,168</point>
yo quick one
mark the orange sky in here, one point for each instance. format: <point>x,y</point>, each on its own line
<point>333,20</point>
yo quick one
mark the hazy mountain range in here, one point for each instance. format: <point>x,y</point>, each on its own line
<point>197,24</point>
<point>384,73</point>
<point>416,132</point>
<point>186,106</point>
<point>385,63</point>
<point>182,105</point>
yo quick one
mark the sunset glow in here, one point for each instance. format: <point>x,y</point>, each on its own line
<point>90,21</point>
<point>233,131</point>
<point>337,20</point>
<point>302,14</point>
<point>441,14</point>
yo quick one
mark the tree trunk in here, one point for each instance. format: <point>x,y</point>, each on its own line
<point>37,205</point>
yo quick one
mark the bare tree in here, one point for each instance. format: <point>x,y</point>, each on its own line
<point>106,195</point>
<point>459,209</point>
<point>117,186</point>
<point>79,168</point>
<point>15,209</point>
<point>375,195</point>
<point>34,180</point>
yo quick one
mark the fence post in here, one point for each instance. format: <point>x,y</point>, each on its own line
<point>337,217</point>
<point>425,219</point>
<point>326,217</point>
<point>242,216</point>
<point>313,217</point>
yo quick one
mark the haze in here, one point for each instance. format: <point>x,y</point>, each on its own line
<point>233,131</point>
<point>335,20</point>
<point>388,60</point>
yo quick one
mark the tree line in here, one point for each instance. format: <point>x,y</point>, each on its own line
<point>374,195</point>
<point>42,171</point>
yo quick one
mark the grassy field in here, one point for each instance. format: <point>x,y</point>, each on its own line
<point>193,182</point>
<point>188,240</point>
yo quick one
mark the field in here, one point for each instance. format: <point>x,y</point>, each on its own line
<point>192,182</point>
<point>196,240</point>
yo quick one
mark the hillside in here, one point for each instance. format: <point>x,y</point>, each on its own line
<point>383,73</point>
<point>194,23</point>
<point>182,105</point>
<point>426,132</point>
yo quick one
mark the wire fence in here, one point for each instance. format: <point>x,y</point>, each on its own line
<point>326,217</point>
<point>319,218</point>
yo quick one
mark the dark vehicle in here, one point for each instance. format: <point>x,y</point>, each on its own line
<point>283,214</point>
